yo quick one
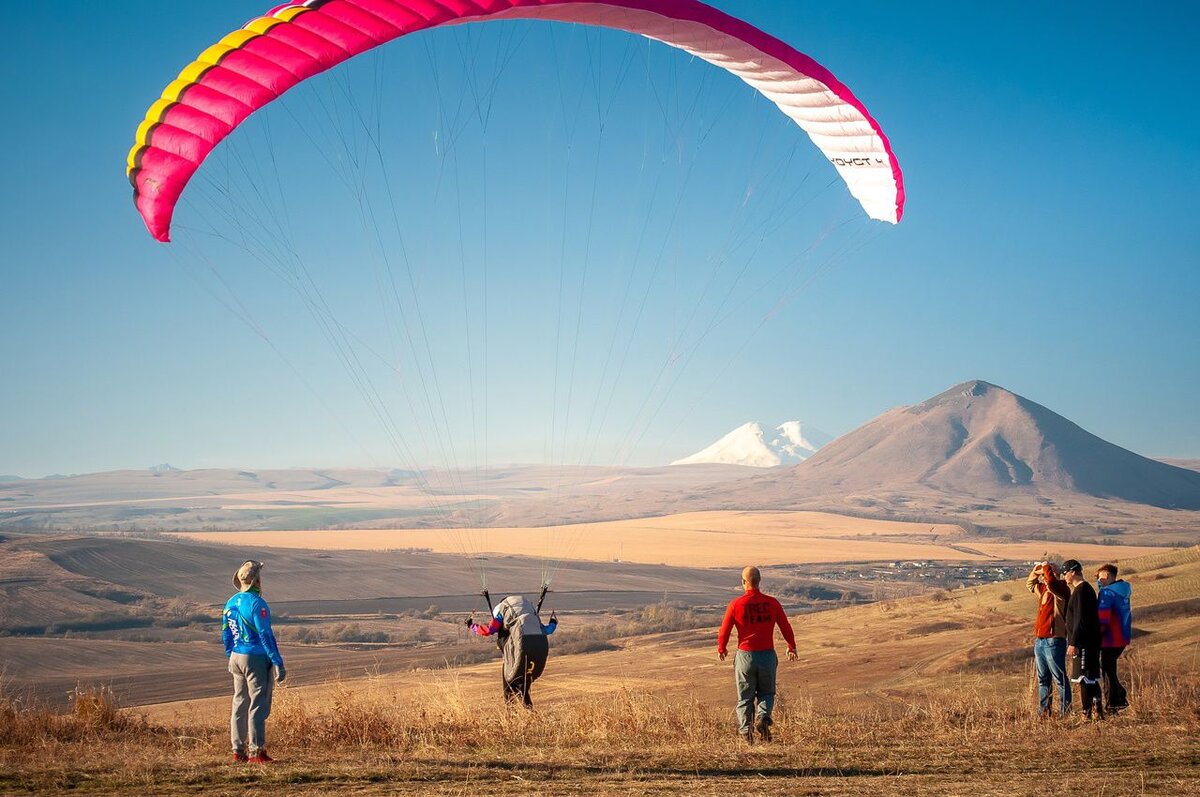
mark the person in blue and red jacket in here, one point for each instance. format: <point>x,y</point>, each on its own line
<point>1116,631</point>
<point>253,654</point>
<point>755,615</point>
<point>523,640</point>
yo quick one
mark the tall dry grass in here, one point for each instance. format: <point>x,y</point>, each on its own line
<point>449,717</point>
<point>93,716</point>
<point>965,724</point>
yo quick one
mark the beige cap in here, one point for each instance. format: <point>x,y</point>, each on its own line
<point>247,575</point>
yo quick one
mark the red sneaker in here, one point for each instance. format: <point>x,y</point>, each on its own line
<point>261,757</point>
<point>239,757</point>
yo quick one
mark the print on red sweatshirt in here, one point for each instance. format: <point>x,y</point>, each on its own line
<point>755,616</point>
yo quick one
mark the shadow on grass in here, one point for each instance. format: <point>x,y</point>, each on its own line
<point>635,771</point>
<point>435,770</point>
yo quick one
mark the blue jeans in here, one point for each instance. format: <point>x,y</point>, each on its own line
<point>1050,656</point>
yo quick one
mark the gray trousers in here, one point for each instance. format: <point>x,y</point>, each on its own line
<point>754,675</point>
<point>253,684</point>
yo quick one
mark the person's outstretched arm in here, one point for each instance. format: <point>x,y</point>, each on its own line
<point>487,630</point>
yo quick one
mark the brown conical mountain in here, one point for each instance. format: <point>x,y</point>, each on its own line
<point>977,438</point>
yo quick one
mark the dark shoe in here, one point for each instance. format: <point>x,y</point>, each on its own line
<point>749,737</point>
<point>764,730</point>
<point>261,757</point>
<point>239,757</point>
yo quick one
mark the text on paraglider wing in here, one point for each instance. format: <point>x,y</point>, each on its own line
<point>857,161</point>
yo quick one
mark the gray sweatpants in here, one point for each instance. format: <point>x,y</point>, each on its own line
<point>754,674</point>
<point>253,683</point>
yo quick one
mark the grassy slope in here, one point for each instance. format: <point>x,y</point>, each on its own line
<point>928,695</point>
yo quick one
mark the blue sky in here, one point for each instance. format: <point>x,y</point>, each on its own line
<point>1049,243</point>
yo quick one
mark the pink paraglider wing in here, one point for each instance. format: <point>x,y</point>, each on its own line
<point>269,55</point>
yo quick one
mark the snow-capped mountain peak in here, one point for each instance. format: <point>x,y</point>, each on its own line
<point>792,441</point>
<point>748,445</point>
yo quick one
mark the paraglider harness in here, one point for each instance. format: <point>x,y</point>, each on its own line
<point>503,633</point>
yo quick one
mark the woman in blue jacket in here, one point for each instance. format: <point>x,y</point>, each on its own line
<point>253,653</point>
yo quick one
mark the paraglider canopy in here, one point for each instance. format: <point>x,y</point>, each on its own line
<point>254,65</point>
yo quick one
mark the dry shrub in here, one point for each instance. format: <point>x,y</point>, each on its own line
<point>449,718</point>
<point>662,617</point>
<point>95,709</point>
<point>573,644</point>
<point>352,633</point>
<point>1158,692</point>
<point>94,714</point>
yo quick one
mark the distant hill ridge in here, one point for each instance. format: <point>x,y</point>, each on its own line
<point>1188,464</point>
<point>976,453</point>
<point>976,438</point>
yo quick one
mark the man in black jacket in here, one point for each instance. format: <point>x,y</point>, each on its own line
<point>1083,636</point>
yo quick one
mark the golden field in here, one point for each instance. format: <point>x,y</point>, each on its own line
<point>693,539</point>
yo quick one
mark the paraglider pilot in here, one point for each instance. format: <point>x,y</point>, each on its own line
<point>521,635</point>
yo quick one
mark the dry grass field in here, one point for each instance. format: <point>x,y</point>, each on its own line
<point>925,695</point>
<point>539,496</point>
<point>693,539</point>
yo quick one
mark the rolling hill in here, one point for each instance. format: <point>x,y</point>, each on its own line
<point>979,438</point>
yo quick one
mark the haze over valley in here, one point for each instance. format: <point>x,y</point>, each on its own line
<point>976,455</point>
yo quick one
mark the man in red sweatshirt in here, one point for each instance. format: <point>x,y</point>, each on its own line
<point>755,616</point>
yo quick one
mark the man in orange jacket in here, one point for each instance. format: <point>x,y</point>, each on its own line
<point>1050,638</point>
<point>755,616</point>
